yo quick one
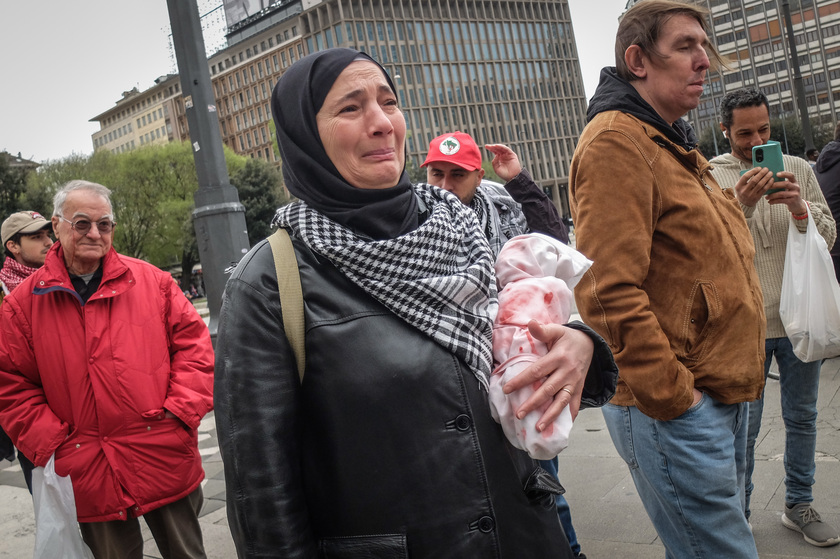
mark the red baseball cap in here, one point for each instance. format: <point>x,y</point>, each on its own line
<point>457,148</point>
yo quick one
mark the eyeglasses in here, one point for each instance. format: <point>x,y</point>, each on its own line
<point>82,226</point>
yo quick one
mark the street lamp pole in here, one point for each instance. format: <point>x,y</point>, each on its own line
<point>218,216</point>
<point>797,81</point>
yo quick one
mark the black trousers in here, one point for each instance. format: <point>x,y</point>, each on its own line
<point>174,526</point>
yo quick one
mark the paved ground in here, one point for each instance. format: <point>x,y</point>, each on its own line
<point>607,512</point>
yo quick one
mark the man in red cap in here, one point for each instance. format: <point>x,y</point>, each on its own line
<point>26,240</point>
<point>454,164</point>
<point>520,206</point>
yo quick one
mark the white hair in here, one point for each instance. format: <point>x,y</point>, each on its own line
<point>61,196</point>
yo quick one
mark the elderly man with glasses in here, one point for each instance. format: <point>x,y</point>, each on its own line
<point>106,366</point>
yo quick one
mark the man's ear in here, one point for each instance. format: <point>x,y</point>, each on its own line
<point>12,247</point>
<point>635,60</point>
<point>723,129</point>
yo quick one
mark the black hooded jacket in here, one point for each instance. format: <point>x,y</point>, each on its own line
<point>827,170</point>
<point>616,94</point>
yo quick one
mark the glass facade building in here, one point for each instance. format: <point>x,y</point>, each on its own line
<point>503,71</point>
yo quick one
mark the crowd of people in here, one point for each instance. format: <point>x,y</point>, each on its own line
<point>381,437</point>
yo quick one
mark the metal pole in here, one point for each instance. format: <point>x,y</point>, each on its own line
<point>799,89</point>
<point>782,117</point>
<point>219,217</point>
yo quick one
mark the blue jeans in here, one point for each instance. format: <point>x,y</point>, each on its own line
<point>689,473</point>
<point>563,510</point>
<point>799,384</point>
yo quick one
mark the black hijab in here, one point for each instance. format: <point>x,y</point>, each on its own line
<point>309,173</point>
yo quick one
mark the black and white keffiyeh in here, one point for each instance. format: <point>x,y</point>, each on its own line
<point>484,211</point>
<point>438,278</point>
<point>499,216</point>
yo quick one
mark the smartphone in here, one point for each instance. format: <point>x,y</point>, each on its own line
<point>769,155</point>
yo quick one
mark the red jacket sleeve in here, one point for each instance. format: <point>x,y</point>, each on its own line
<point>24,414</point>
<point>190,393</point>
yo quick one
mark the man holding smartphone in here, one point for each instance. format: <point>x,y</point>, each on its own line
<point>745,122</point>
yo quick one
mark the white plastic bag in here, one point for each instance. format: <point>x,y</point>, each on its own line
<point>810,302</point>
<point>57,533</point>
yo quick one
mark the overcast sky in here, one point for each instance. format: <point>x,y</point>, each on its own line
<point>67,61</point>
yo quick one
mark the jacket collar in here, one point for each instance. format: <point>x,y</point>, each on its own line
<point>616,94</point>
<point>690,158</point>
<point>116,275</point>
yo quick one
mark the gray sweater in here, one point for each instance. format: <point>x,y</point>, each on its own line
<point>769,227</point>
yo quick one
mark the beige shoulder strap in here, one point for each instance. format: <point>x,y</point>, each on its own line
<point>291,296</point>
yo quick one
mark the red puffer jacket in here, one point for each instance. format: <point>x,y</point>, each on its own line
<point>91,383</point>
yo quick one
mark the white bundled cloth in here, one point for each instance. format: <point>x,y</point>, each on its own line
<point>535,274</point>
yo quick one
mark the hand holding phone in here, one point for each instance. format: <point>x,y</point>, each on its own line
<point>769,155</point>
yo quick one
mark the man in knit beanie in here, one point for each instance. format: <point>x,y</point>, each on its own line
<point>745,122</point>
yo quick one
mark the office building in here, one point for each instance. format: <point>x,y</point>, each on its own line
<point>142,118</point>
<point>752,34</point>
<point>505,71</point>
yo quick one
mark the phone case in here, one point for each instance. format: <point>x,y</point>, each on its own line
<point>769,155</point>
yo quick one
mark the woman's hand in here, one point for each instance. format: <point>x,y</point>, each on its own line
<point>564,369</point>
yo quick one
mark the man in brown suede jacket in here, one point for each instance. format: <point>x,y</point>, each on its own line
<point>673,288</point>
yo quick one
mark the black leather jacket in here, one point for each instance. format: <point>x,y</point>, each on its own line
<point>387,449</point>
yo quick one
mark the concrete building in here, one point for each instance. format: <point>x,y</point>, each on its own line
<point>752,34</point>
<point>263,45</point>
<point>504,71</point>
<point>18,162</point>
<point>142,118</point>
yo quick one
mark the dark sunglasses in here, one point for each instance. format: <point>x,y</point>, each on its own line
<point>82,226</point>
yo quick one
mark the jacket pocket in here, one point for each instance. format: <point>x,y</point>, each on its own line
<point>383,546</point>
<point>542,488</point>
<point>700,320</point>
